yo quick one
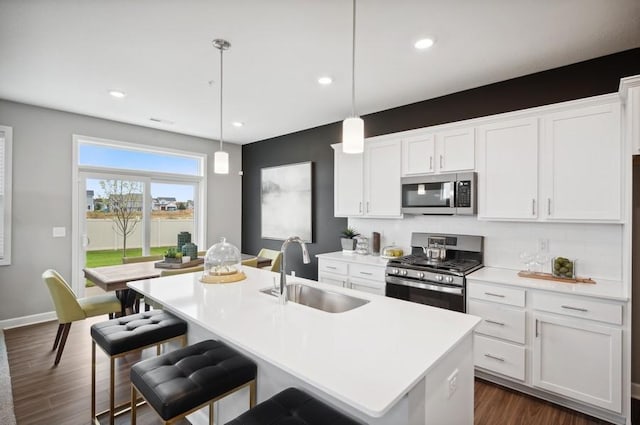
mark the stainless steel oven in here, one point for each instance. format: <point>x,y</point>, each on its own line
<point>445,194</point>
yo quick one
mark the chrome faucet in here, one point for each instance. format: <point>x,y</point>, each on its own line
<point>282,296</point>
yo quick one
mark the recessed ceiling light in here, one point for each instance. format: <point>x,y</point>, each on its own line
<point>325,81</point>
<point>117,93</point>
<point>424,43</point>
<point>237,124</point>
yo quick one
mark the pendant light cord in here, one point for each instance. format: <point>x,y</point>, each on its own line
<point>353,64</point>
<point>221,80</point>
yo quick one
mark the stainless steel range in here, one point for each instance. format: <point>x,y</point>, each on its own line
<point>434,273</point>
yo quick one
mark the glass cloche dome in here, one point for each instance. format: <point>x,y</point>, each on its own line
<point>222,263</point>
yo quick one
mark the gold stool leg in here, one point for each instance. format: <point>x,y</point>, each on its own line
<point>211,413</point>
<point>134,405</point>
<point>112,391</point>
<point>252,394</point>
<point>93,380</point>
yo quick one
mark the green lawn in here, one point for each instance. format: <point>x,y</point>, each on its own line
<point>109,257</point>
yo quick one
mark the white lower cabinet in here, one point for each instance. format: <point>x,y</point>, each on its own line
<point>565,345</point>
<point>578,359</point>
<point>352,274</point>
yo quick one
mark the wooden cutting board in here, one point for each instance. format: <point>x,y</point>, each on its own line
<point>549,276</point>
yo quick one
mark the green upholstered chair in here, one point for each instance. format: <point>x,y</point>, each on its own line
<point>70,309</point>
<point>128,260</point>
<point>171,272</point>
<point>251,262</point>
<point>276,257</point>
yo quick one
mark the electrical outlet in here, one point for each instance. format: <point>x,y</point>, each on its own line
<point>452,383</point>
<point>543,245</point>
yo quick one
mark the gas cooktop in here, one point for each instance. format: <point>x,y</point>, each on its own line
<point>421,262</point>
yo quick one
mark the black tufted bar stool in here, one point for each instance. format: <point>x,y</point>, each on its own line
<point>125,335</point>
<point>178,383</point>
<point>292,407</point>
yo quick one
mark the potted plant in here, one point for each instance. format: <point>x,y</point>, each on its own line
<point>348,239</point>
<point>172,255</point>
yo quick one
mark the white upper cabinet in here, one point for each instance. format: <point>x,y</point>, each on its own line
<point>455,150</point>
<point>581,157</point>
<point>368,184</point>
<point>382,187</point>
<point>418,155</point>
<point>508,170</point>
<point>348,183</point>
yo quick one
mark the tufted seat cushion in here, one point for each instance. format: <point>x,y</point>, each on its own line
<point>292,407</point>
<point>131,332</point>
<point>181,380</point>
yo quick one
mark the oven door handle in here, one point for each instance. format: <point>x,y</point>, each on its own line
<point>427,286</point>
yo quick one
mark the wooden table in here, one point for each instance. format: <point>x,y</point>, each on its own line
<point>115,278</point>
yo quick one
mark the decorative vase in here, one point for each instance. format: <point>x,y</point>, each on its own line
<point>190,250</point>
<point>172,260</point>
<point>348,244</point>
<point>183,238</point>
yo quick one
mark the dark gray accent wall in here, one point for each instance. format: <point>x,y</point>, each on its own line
<point>584,79</point>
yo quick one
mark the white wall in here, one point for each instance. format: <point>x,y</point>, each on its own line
<point>597,247</point>
<point>42,167</point>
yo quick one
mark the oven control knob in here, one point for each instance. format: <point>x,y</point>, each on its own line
<point>439,277</point>
<point>420,275</point>
<point>448,279</point>
<point>394,271</point>
<point>404,272</point>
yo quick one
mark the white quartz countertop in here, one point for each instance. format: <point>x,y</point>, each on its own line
<point>369,357</point>
<point>355,258</point>
<point>606,289</point>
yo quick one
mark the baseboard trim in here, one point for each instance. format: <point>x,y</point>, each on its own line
<point>635,391</point>
<point>32,319</point>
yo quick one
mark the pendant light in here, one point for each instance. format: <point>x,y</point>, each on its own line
<point>353,127</point>
<point>221,158</point>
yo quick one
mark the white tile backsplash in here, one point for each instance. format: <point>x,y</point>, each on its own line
<point>597,247</point>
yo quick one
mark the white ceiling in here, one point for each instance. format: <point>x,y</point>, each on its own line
<point>67,54</point>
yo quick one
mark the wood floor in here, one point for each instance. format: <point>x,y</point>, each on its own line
<point>61,395</point>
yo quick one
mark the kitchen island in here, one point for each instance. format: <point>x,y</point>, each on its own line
<point>386,362</point>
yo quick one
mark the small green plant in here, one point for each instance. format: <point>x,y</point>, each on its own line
<point>172,253</point>
<point>350,233</point>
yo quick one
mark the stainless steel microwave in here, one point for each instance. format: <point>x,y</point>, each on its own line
<point>445,194</point>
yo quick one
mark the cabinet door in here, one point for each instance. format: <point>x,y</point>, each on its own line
<point>508,170</point>
<point>382,186</point>
<point>578,359</point>
<point>455,150</point>
<point>347,181</point>
<point>332,279</point>
<point>418,155</point>
<point>582,163</point>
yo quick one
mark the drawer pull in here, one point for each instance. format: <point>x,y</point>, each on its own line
<point>537,332</point>
<point>491,294</point>
<point>330,267</point>
<point>367,273</point>
<point>568,307</point>
<point>494,323</point>
<point>500,359</point>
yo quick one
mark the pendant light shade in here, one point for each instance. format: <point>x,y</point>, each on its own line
<point>221,158</point>
<point>353,127</point>
<point>353,135</point>
<point>221,162</point>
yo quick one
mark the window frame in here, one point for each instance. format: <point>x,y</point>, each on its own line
<point>5,260</point>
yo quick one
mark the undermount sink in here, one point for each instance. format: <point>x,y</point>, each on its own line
<point>331,302</point>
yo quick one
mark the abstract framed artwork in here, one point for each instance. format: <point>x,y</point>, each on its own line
<point>285,201</point>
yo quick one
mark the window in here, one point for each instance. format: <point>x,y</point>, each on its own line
<point>5,195</point>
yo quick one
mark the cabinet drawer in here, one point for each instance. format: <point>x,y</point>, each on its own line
<point>366,285</point>
<point>366,271</point>
<point>497,294</point>
<point>578,307</point>
<point>332,266</point>
<point>499,321</point>
<point>332,279</point>
<point>498,356</point>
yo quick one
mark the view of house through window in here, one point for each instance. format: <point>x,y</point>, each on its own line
<point>135,202</point>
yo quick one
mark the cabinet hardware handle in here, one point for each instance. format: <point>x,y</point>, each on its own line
<point>330,267</point>
<point>500,359</point>
<point>494,323</point>
<point>367,206</point>
<point>360,207</point>
<point>431,163</point>
<point>491,294</point>
<point>549,206</point>
<point>367,273</point>
<point>568,307</point>
<point>441,162</point>
<point>537,333</point>
<point>533,207</point>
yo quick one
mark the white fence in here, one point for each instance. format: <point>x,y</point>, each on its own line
<point>164,232</point>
